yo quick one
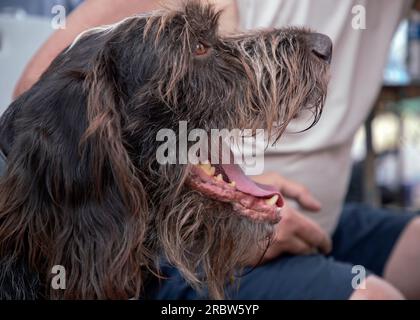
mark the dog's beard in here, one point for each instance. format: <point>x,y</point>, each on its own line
<point>208,242</point>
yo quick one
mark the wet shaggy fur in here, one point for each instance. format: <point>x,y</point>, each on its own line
<point>83,188</point>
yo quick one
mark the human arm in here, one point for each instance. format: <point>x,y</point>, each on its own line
<point>89,14</point>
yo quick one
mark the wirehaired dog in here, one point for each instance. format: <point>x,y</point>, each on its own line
<point>83,189</point>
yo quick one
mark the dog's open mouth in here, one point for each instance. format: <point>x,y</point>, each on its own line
<point>228,183</point>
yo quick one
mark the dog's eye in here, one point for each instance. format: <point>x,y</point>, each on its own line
<point>200,49</point>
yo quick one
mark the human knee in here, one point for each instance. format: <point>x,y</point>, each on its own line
<point>414,227</point>
<point>375,288</point>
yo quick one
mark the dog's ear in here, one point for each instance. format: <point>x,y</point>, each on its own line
<point>103,139</point>
<point>71,195</point>
<point>115,180</point>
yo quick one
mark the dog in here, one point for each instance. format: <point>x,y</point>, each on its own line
<point>83,189</point>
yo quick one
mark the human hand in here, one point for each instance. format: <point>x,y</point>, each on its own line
<point>295,233</point>
<point>290,189</point>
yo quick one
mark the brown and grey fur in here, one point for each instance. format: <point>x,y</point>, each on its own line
<point>83,188</point>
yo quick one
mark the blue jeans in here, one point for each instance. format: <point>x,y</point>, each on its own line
<point>364,236</point>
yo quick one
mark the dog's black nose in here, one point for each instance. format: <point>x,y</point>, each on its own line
<point>321,46</point>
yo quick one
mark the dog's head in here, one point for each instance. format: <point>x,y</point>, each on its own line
<point>84,187</point>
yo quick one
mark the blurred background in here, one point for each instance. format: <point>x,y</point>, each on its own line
<point>386,149</point>
<point>24,26</point>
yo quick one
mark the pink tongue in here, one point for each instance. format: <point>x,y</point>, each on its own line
<point>246,185</point>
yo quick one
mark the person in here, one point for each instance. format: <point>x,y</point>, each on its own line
<point>312,256</point>
<point>37,7</point>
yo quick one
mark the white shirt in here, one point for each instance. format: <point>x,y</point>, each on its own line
<point>320,158</point>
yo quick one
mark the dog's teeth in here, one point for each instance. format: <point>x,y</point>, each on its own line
<point>212,170</point>
<point>207,168</point>
<point>232,184</point>
<point>208,172</point>
<point>272,201</point>
<point>219,177</point>
<point>205,164</point>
